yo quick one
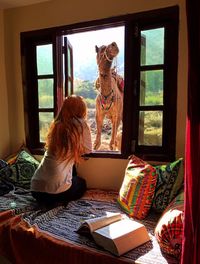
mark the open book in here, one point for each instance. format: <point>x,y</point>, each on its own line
<point>115,233</point>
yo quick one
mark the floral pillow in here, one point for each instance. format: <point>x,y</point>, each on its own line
<point>21,170</point>
<point>169,229</point>
<point>169,183</point>
<point>137,190</point>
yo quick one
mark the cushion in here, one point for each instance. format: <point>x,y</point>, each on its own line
<point>12,157</point>
<point>138,187</point>
<point>5,185</point>
<point>20,172</point>
<point>169,229</point>
<point>169,183</point>
<point>3,164</point>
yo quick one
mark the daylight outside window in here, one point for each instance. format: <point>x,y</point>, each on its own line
<point>89,83</point>
<point>85,70</point>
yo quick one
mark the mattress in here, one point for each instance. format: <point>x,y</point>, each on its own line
<point>33,234</point>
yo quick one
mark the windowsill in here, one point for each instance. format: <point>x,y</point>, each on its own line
<point>116,155</point>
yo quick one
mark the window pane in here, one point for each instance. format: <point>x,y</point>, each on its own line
<point>150,128</point>
<point>45,93</point>
<point>151,87</point>
<point>152,47</point>
<point>44,59</point>
<point>69,85</point>
<point>45,120</point>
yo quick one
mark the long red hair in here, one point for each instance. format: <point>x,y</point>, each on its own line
<point>64,135</point>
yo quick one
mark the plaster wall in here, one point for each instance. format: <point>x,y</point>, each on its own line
<point>4,118</point>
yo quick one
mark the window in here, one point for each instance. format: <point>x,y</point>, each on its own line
<point>149,73</point>
<point>45,84</point>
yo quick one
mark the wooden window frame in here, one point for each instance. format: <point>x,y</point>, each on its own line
<point>134,23</point>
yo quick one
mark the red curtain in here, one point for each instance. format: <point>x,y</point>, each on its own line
<point>191,237</point>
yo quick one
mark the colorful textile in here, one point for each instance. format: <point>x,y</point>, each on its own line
<point>5,185</point>
<point>169,183</point>
<point>51,232</point>
<point>169,230</point>
<point>3,164</point>
<point>138,187</point>
<point>20,172</point>
<point>10,159</point>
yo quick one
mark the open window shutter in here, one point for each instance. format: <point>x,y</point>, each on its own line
<point>68,68</point>
<point>59,58</point>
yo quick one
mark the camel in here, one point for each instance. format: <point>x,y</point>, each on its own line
<point>109,101</point>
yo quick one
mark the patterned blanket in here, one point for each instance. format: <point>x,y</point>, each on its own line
<point>60,224</point>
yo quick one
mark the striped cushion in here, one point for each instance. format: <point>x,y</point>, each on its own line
<point>169,229</point>
<point>137,190</point>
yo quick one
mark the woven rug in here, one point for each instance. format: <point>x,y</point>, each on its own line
<point>19,201</point>
<point>63,221</point>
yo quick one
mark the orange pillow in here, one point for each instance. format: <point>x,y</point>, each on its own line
<point>169,229</point>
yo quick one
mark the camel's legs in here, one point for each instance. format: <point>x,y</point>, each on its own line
<point>99,123</point>
<point>115,125</point>
<point>118,123</point>
<point>114,133</point>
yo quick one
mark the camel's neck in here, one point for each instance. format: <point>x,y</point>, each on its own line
<point>105,78</point>
<point>105,82</point>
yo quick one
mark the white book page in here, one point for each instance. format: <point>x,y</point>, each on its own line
<point>118,228</point>
<point>99,222</point>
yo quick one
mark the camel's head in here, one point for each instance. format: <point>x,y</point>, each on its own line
<point>107,52</point>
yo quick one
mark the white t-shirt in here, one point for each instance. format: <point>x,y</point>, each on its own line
<point>52,176</point>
